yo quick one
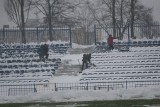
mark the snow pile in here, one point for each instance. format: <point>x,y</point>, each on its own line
<point>75,59</point>
<point>69,96</point>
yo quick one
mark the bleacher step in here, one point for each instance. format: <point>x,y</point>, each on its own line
<point>68,70</point>
<point>81,50</point>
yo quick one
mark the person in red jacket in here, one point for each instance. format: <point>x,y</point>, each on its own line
<point>110,42</point>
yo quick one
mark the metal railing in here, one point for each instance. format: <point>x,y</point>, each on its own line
<point>38,34</point>
<point>79,35</point>
<point>25,89</point>
<point>141,30</point>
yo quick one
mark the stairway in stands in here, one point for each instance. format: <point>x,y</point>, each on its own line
<point>80,50</point>
<point>73,70</point>
<point>70,70</point>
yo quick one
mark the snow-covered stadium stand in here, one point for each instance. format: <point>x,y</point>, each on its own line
<point>102,46</point>
<point>140,63</point>
<point>19,63</point>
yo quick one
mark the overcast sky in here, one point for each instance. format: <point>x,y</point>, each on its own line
<point>155,4</point>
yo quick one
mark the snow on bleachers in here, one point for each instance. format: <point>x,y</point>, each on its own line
<point>127,62</point>
<point>120,44</point>
<point>19,63</point>
<point>144,43</point>
<point>139,63</point>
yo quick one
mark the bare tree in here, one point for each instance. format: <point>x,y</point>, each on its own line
<point>98,15</point>
<point>144,15</point>
<point>118,13</point>
<point>55,11</point>
<point>133,2</point>
<point>85,22</point>
<point>21,2</point>
<point>18,11</point>
<point>114,17</point>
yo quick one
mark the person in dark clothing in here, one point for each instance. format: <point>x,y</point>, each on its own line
<point>46,51</point>
<point>86,59</point>
<point>88,56</point>
<point>43,52</point>
<point>110,42</point>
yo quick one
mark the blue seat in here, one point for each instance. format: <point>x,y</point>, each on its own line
<point>124,43</point>
<point>58,59</point>
<point>55,66</point>
<point>37,70</point>
<point>17,71</point>
<point>57,45</point>
<point>9,61</point>
<point>37,46</point>
<point>145,43</point>
<point>22,71</point>
<point>98,43</point>
<point>139,42</point>
<point>7,72</point>
<point>25,66</point>
<point>34,60</point>
<point>104,43</point>
<point>51,65</point>
<point>34,65</point>
<point>1,72</point>
<point>155,42</point>
<point>149,43</point>
<point>135,43</point>
<point>18,47</point>
<point>15,66</point>
<point>48,70</point>
<point>45,65</point>
<point>53,70</point>
<point>10,66</point>
<point>42,70</point>
<point>61,45</point>
<point>31,56</point>
<point>28,46</point>
<point>4,66</point>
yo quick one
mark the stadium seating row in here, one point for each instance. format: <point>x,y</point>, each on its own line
<point>24,81</point>
<point>22,71</point>
<point>123,46</point>
<point>135,78</point>
<point>27,66</point>
<point>128,56</point>
<point>133,43</point>
<point>30,46</point>
<point>122,73</point>
<point>21,49</point>
<point>26,75</point>
<point>131,50</point>
<point>33,60</point>
<point>126,67</point>
<point>101,62</point>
